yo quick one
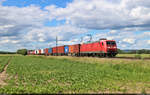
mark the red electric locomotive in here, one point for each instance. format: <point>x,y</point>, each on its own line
<point>103,47</point>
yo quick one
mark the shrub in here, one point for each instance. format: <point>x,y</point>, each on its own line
<point>22,51</point>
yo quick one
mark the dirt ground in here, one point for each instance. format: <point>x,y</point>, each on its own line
<point>3,75</point>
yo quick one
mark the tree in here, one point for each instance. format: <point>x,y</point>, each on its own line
<point>22,51</point>
<point>120,51</point>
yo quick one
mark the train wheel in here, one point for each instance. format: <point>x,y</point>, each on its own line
<point>104,55</point>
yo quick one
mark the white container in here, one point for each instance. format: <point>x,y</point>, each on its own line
<point>37,51</point>
<point>42,51</point>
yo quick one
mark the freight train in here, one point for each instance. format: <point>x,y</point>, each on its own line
<point>101,48</point>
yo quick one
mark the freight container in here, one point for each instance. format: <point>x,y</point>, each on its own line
<point>46,51</point>
<point>74,48</point>
<point>58,50</point>
<point>33,52</point>
<point>28,52</point>
<point>39,51</point>
<point>42,51</point>
<point>36,51</point>
<point>50,50</point>
<point>66,49</point>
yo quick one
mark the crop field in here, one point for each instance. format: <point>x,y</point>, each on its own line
<point>134,55</point>
<point>40,74</point>
<point>3,62</point>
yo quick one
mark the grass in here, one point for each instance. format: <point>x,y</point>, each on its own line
<point>39,74</point>
<point>134,55</point>
<point>3,62</point>
<point>10,55</point>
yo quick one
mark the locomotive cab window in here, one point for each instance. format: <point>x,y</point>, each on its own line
<point>108,43</point>
<point>111,43</point>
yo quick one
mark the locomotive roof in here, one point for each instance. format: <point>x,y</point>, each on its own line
<point>97,41</point>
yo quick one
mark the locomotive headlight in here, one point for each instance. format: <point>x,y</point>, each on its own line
<point>108,47</point>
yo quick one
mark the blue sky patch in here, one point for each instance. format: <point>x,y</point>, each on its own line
<point>41,3</point>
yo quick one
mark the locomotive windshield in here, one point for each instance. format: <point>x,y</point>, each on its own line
<point>111,43</point>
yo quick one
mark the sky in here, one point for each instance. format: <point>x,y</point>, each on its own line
<point>34,24</point>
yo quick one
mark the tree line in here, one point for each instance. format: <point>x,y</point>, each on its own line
<point>6,52</point>
<point>142,51</point>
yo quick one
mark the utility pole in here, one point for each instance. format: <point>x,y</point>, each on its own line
<point>56,46</point>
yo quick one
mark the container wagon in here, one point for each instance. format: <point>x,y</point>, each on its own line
<point>28,52</point>
<point>48,51</point>
<point>66,49</point>
<point>58,50</point>
<point>33,52</point>
<point>36,51</point>
<point>74,50</point>
<point>39,52</point>
<point>42,51</point>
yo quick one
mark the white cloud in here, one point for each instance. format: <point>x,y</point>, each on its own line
<point>24,27</point>
<point>63,32</point>
<point>124,46</point>
<point>14,41</point>
<point>113,32</point>
<point>15,20</point>
<point>129,40</point>
<point>146,33</point>
<point>148,42</point>
<point>41,40</point>
<point>4,41</point>
<point>6,26</point>
<point>103,14</point>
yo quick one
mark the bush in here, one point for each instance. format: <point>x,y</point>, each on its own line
<point>22,51</point>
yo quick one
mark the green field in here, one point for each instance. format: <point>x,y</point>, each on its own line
<point>39,74</point>
<point>134,55</point>
<point>3,62</point>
